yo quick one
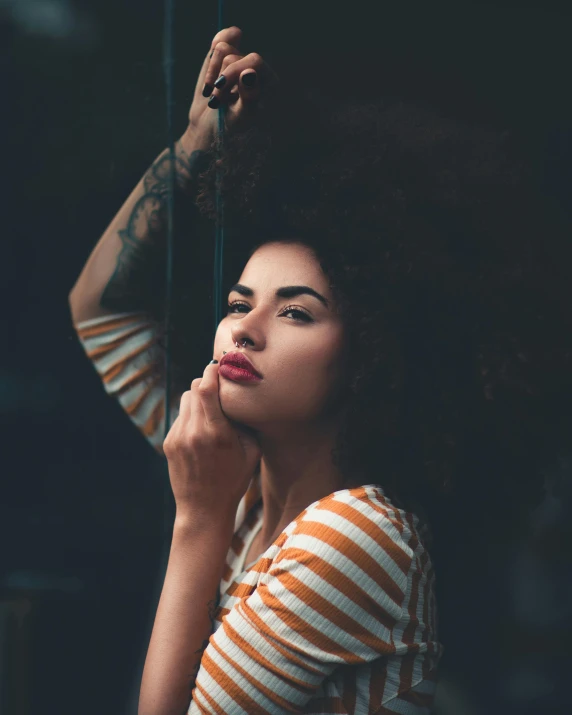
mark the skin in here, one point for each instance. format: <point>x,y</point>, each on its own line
<point>129,256</point>
<point>290,414</point>
<point>295,410</point>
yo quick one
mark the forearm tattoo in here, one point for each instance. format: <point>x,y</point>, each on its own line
<point>133,285</point>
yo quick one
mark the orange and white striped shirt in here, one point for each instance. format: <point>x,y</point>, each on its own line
<point>125,352</point>
<point>337,616</point>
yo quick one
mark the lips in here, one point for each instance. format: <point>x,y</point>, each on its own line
<point>240,361</point>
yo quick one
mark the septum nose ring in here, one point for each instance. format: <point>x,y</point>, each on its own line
<point>237,345</point>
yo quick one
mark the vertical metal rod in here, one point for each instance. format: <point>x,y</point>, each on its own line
<point>219,228</point>
<point>168,63</point>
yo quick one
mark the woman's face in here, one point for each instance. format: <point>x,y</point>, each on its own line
<point>295,341</point>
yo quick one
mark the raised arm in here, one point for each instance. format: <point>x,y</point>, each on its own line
<point>118,275</point>
<point>120,285</point>
<point>114,295</point>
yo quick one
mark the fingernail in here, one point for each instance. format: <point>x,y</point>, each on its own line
<point>220,82</point>
<point>249,79</point>
<point>207,89</point>
<point>213,102</point>
<point>213,362</point>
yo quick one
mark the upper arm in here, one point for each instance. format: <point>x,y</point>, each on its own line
<point>328,599</point>
<point>125,352</point>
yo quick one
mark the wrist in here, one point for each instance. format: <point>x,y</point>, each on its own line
<point>194,139</point>
<point>192,157</point>
<point>192,521</point>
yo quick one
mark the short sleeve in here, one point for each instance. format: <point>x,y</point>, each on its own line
<point>331,597</point>
<point>124,350</point>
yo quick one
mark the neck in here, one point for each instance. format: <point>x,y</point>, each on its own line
<point>296,470</point>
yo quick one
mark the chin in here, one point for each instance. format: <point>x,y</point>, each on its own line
<point>236,408</point>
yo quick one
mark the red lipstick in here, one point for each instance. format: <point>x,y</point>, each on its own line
<point>236,366</point>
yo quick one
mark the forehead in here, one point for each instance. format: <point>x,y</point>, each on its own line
<point>282,264</point>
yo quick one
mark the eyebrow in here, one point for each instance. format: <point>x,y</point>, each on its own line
<point>284,292</point>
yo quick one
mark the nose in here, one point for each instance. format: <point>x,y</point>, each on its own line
<point>248,331</point>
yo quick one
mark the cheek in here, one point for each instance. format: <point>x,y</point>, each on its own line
<point>326,353</point>
<point>303,373</point>
<point>222,339</point>
<point>330,371</point>
<point>315,365</point>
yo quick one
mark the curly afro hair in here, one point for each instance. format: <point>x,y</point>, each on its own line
<point>449,267</point>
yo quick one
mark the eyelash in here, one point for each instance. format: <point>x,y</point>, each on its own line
<point>289,309</point>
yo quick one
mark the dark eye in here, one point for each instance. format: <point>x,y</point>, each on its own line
<point>236,304</point>
<point>298,315</point>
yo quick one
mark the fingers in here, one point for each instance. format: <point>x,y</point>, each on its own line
<point>230,78</point>
<point>189,410</point>
<point>248,86</point>
<point>249,73</point>
<point>209,396</point>
<point>231,35</point>
<point>200,405</point>
<point>195,415</point>
<point>219,55</point>
<point>225,42</point>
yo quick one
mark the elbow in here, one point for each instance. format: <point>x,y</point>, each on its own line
<point>73,305</point>
<point>82,305</point>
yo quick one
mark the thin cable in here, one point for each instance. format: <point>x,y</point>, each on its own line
<point>219,228</point>
<point>168,64</point>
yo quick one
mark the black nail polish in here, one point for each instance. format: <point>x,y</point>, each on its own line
<point>207,90</point>
<point>213,102</point>
<point>213,362</point>
<point>249,79</point>
<point>220,82</point>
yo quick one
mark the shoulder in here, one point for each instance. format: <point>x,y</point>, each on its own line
<point>360,518</point>
<point>352,538</point>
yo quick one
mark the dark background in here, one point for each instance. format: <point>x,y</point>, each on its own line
<point>81,491</point>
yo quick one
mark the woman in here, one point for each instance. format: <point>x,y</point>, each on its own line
<point>302,459</point>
